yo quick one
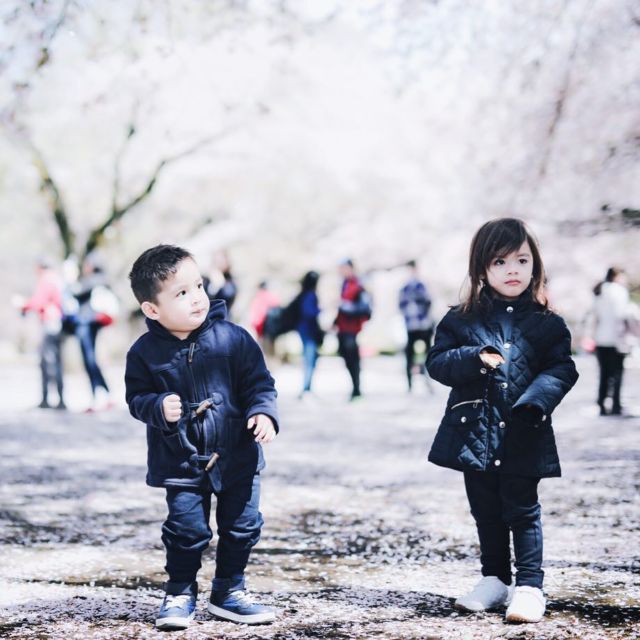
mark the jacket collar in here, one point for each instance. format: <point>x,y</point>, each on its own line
<point>495,304</point>
<point>217,311</point>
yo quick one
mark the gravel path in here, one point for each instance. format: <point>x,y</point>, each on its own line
<point>363,538</point>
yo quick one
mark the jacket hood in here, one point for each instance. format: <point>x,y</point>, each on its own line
<point>217,311</point>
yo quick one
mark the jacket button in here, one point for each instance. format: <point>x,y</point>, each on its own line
<point>483,370</point>
<point>502,425</point>
<point>507,345</point>
<point>497,463</point>
<point>463,419</point>
<point>509,309</point>
<point>503,385</point>
<point>544,418</point>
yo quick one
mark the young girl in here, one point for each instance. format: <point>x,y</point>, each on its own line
<point>508,360</point>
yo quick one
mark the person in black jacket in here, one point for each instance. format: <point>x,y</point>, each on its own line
<point>201,386</point>
<point>508,360</point>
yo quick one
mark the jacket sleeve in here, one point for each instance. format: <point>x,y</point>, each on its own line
<point>451,363</point>
<point>256,387</point>
<point>145,404</point>
<point>309,309</point>
<point>557,377</point>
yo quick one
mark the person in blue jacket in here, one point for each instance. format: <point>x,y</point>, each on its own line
<point>508,360</point>
<point>201,386</point>
<point>308,328</point>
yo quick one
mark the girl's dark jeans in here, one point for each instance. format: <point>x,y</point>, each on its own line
<point>503,503</point>
<point>186,532</point>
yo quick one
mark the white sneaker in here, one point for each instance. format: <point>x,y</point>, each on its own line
<point>528,605</point>
<point>489,593</point>
<point>102,400</point>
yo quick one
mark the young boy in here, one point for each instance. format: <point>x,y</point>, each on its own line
<point>201,386</point>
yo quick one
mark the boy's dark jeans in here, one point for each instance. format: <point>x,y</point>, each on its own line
<point>501,503</point>
<point>186,533</point>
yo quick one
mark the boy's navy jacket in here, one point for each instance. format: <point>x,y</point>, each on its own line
<point>219,361</point>
<point>500,419</point>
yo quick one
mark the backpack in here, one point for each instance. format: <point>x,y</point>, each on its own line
<point>364,305</point>
<point>104,304</point>
<point>281,320</point>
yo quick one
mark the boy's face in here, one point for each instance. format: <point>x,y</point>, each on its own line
<point>182,303</point>
<point>510,275</point>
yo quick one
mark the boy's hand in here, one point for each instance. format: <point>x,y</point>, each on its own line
<point>263,428</point>
<point>492,360</point>
<point>172,408</point>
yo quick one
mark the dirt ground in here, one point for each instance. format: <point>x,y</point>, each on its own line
<point>363,538</point>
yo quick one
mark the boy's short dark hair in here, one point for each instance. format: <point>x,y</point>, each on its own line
<point>152,268</point>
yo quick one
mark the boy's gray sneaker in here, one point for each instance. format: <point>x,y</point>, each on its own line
<point>239,606</point>
<point>177,610</point>
<point>489,593</point>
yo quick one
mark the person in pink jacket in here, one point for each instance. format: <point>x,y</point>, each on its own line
<point>46,301</point>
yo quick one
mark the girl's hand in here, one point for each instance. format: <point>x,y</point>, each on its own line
<point>492,360</point>
<point>263,428</point>
<point>172,408</point>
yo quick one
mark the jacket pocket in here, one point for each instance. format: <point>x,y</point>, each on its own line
<point>243,454</point>
<point>468,433</point>
<point>176,443</point>
<point>475,404</point>
<point>171,455</point>
<point>466,413</point>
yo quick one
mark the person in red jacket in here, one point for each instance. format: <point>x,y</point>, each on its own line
<point>46,301</point>
<point>353,312</point>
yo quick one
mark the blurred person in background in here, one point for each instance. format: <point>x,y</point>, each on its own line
<point>414,302</point>
<point>308,327</point>
<point>353,312</point>
<point>222,285</point>
<point>612,314</point>
<point>46,301</point>
<point>96,309</point>
<point>264,300</point>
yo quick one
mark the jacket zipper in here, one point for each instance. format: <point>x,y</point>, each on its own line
<point>475,403</point>
<point>202,432</point>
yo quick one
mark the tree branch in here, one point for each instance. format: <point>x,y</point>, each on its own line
<point>562,99</point>
<point>50,188</point>
<point>49,33</point>
<point>118,212</point>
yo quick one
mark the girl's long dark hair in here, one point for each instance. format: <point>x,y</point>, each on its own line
<point>496,239</point>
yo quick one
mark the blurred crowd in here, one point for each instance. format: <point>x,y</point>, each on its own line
<point>74,301</point>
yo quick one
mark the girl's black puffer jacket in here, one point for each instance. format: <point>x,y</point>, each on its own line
<point>500,420</point>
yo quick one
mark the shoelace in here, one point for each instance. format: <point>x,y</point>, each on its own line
<point>179,601</point>
<point>243,596</point>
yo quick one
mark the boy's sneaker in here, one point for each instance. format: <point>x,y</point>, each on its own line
<point>239,606</point>
<point>489,593</point>
<point>177,611</point>
<point>528,605</point>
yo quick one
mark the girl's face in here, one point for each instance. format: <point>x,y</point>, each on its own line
<point>510,275</point>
